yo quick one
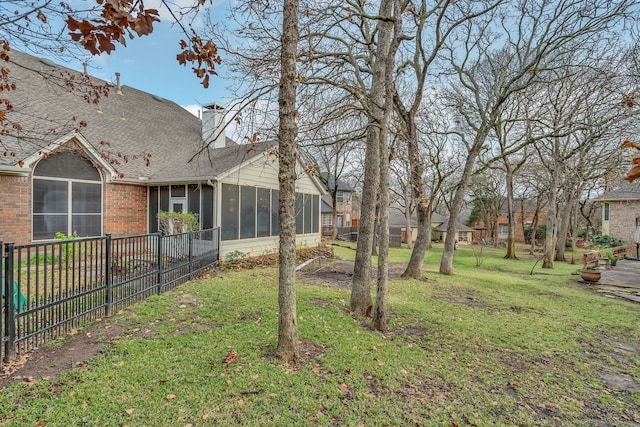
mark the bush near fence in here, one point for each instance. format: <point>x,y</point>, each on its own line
<point>62,285</point>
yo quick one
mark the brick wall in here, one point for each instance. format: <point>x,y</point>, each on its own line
<point>622,219</point>
<point>15,209</point>
<point>125,209</point>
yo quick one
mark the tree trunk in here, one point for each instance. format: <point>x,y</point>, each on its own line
<point>380,310</point>
<point>361,290</point>
<point>573,225</point>
<point>534,228</point>
<point>376,226</point>
<point>563,228</point>
<point>386,32</point>
<point>549,243</point>
<point>511,239</point>
<point>360,302</point>
<point>407,218</point>
<point>287,348</point>
<point>423,207</point>
<point>446,263</point>
<point>334,214</point>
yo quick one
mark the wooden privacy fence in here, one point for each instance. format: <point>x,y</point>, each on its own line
<point>51,288</point>
<point>350,234</point>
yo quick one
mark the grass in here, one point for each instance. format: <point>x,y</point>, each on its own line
<point>486,346</point>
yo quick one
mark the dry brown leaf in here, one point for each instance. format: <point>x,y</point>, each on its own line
<point>171,396</point>
<point>230,357</point>
<point>343,388</point>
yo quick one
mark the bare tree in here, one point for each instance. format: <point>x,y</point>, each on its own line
<point>490,69</point>
<point>377,131</point>
<point>582,113</point>
<point>331,144</point>
<point>532,197</point>
<point>389,44</point>
<point>431,26</point>
<point>400,187</point>
<point>287,348</point>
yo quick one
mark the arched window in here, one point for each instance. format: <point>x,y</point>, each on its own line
<point>67,197</point>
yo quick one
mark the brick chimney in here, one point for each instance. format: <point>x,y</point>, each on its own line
<point>213,132</point>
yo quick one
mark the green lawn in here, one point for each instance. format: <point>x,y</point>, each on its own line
<point>487,346</point>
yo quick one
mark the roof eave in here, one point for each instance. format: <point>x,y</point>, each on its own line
<point>14,170</point>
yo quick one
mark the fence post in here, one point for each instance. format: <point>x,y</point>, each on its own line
<point>190,253</point>
<point>159,254</point>
<point>109,295</point>
<point>10,313</point>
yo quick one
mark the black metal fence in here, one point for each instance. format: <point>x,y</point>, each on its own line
<point>51,288</point>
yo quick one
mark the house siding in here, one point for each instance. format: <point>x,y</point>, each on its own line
<point>263,172</point>
<point>622,219</point>
<point>265,245</point>
<point>15,209</point>
<point>125,210</point>
<point>503,220</point>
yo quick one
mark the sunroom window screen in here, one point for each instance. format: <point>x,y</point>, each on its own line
<point>67,197</point>
<point>250,212</point>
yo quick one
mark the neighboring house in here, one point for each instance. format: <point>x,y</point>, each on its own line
<point>524,213</point>
<point>109,167</point>
<point>344,206</point>
<point>326,212</point>
<point>464,234</point>
<point>438,224</point>
<point>397,219</point>
<point>621,211</point>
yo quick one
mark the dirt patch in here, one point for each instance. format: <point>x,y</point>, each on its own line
<point>187,300</point>
<point>327,272</point>
<point>339,272</point>
<point>73,350</point>
<point>48,361</point>
<point>468,301</point>
<point>620,381</point>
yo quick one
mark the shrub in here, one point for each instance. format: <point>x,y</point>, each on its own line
<point>66,249</point>
<point>178,222</point>
<point>541,232</point>
<point>605,241</point>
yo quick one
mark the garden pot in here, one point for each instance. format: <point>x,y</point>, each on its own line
<point>590,275</point>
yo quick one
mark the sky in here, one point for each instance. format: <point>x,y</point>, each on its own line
<point>149,64</point>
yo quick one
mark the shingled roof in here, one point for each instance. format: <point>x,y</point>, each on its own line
<point>137,134</point>
<point>624,192</point>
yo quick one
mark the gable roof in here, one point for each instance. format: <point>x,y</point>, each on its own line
<point>326,206</point>
<point>397,218</point>
<point>139,136</point>
<point>624,192</point>
<point>342,185</point>
<point>459,226</point>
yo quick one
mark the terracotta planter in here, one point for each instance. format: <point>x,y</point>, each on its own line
<point>590,275</point>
